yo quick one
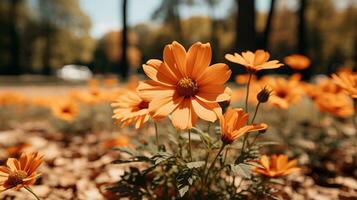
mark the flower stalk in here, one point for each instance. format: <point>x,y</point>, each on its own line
<point>30,190</point>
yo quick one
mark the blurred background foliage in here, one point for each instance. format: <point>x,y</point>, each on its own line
<point>40,36</point>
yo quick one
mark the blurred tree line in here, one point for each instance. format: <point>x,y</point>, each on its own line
<point>39,36</point>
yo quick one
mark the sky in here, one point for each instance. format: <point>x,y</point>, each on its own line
<point>105,14</point>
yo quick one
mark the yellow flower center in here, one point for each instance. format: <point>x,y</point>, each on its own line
<point>16,178</point>
<point>186,87</point>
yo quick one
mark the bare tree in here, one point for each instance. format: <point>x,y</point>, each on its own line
<point>124,68</point>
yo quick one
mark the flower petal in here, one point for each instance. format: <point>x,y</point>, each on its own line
<point>198,59</point>
<point>206,111</point>
<point>184,117</point>
<point>216,74</point>
<point>212,93</point>
<point>149,90</point>
<point>175,57</point>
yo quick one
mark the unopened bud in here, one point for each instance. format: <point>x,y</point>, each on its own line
<point>263,95</point>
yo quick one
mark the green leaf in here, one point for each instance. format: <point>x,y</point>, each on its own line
<point>161,157</point>
<point>196,164</point>
<point>242,170</point>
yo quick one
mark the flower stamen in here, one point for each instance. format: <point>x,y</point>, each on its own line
<point>187,87</point>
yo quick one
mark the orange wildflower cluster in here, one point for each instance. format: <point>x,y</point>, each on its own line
<point>66,109</point>
<point>20,172</point>
<point>276,166</point>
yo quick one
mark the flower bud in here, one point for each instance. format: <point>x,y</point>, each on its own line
<point>263,95</point>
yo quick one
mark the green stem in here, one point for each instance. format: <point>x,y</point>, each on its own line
<point>30,190</point>
<point>213,162</point>
<point>157,137</point>
<point>247,92</point>
<point>255,112</point>
<point>189,144</point>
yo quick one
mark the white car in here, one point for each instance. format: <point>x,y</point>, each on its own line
<point>74,73</point>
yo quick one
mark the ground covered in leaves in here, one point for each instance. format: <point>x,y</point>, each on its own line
<point>78,166</point>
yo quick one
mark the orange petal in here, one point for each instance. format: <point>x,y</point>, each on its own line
<point>198,59</point>
<point>162,107</point>
<point>157,75</point>
<point>212,93</point>
<point>183,117</point>
<point>175,57</point>
<point>260,57</point>
<point>264,160</point>
<point>216,74</point>
<point>13,164</point>
<point>149,90</point>
<point>204,110</point>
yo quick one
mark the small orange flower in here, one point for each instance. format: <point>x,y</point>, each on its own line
<point>297,61</point>
<point>254,62</point>
<point>233,125</point>
<point>20,172</point>
<point>16,151</point>
<point>66,110</point>
<point>276,166</point>
<point>285,92</point>
<point>119,141</point>
<point>340,105</point>
<point>130,108</point>
<point>185,85</point>
<point>348,82</point>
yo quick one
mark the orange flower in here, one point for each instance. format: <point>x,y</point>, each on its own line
<point>20,173</point>
<point>339,104</point>
<point>297,61</point>
<point>278,165</point>
<point>254,62</point>
<point>233,125</point>
<point>348,82</point>
<point>285,92</point>
<point>15,151</point>
<point>66,110</point>
<point>119,141</point>
<point>185,85</point>
<point>323,86</point>
<point>130,108</point>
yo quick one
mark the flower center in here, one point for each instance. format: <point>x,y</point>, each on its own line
<point>281,93</point>
<point>16,178</point>
<point>186,87</point>
<point>143,105</point>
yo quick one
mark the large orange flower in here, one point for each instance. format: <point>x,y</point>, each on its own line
<point>233,125</point>
<point>276,166</point>
<point>185,85</point>
<point>20,173</point>
<point>130,108</point>
<point>347,81</point>
<point>297,61</point>
<point>254,62</point>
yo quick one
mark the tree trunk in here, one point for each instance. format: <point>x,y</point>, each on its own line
<point>306,74</point>
<point>268,25</point>
<point>124,67</point>
<point>46,59</point>
<point>14,65</point>
<point>301,28</point>
<point>245,26</point>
